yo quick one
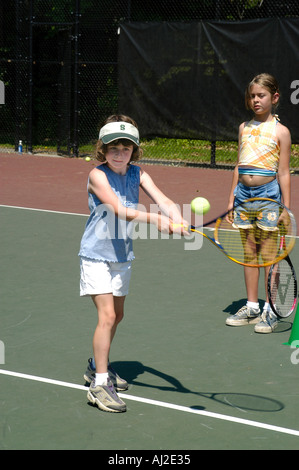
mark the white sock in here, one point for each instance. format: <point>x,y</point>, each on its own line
<point>101,379</point>
<point>254,305</point>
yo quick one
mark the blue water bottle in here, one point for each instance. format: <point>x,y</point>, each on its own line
<point>20,147</point>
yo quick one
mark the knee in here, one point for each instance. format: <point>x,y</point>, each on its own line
<point>107,319</point>
<point>118,317</point>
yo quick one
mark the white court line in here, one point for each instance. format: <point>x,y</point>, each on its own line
<point>43,210</point>
<point>186,409</point>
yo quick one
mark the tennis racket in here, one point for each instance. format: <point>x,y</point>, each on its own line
<point>282,286</point>
<point>250,233</point>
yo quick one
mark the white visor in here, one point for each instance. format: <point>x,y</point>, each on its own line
<point>119,130</point>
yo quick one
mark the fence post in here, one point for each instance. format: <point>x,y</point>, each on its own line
<point>18,130</point>
<point>76,80</point>
<point>30,98</point>
<point>213,153</point>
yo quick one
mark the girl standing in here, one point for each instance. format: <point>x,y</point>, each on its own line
<point>262,170</point>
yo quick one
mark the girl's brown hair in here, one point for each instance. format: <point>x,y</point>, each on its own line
<point>101,148</point>
<point>265,80</point>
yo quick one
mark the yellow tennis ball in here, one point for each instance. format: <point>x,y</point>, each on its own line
<point>200,205</point>
<point>87,159</point>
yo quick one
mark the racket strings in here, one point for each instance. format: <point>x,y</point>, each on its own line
<point>251,243</point>
<point>283,288</point>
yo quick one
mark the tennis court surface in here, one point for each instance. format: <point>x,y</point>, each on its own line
<point>194,382</point>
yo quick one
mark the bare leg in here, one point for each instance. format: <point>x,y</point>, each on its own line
<point>110,313</point>
<point>251,281</point>
<point>267,269</point>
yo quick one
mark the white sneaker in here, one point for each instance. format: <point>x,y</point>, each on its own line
<point>105,397</point>
<point>244,316</point>
<point>268,322</point>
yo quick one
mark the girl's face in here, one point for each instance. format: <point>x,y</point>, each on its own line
<point>261,100</point>
<point>118,156</point>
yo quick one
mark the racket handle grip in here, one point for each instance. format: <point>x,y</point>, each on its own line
<point>187,227</point>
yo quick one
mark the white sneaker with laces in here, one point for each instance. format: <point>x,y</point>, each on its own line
<point>268,322</point>
<point>105,397</point>
<point>245,316</point>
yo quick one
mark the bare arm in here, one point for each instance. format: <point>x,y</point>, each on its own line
<point>235,174</point>
<point>99,185</point>
<point>284,176</point>
<point>166,205</point>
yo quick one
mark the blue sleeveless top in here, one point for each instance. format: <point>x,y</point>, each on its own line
<point>106,237</point>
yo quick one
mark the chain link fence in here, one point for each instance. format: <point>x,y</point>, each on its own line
<point>59,69</point>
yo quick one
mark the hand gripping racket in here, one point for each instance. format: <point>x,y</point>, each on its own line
<point>250,233</point>
<point>282,286</point>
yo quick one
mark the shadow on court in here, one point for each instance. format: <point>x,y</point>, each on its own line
<point>134,370</point>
